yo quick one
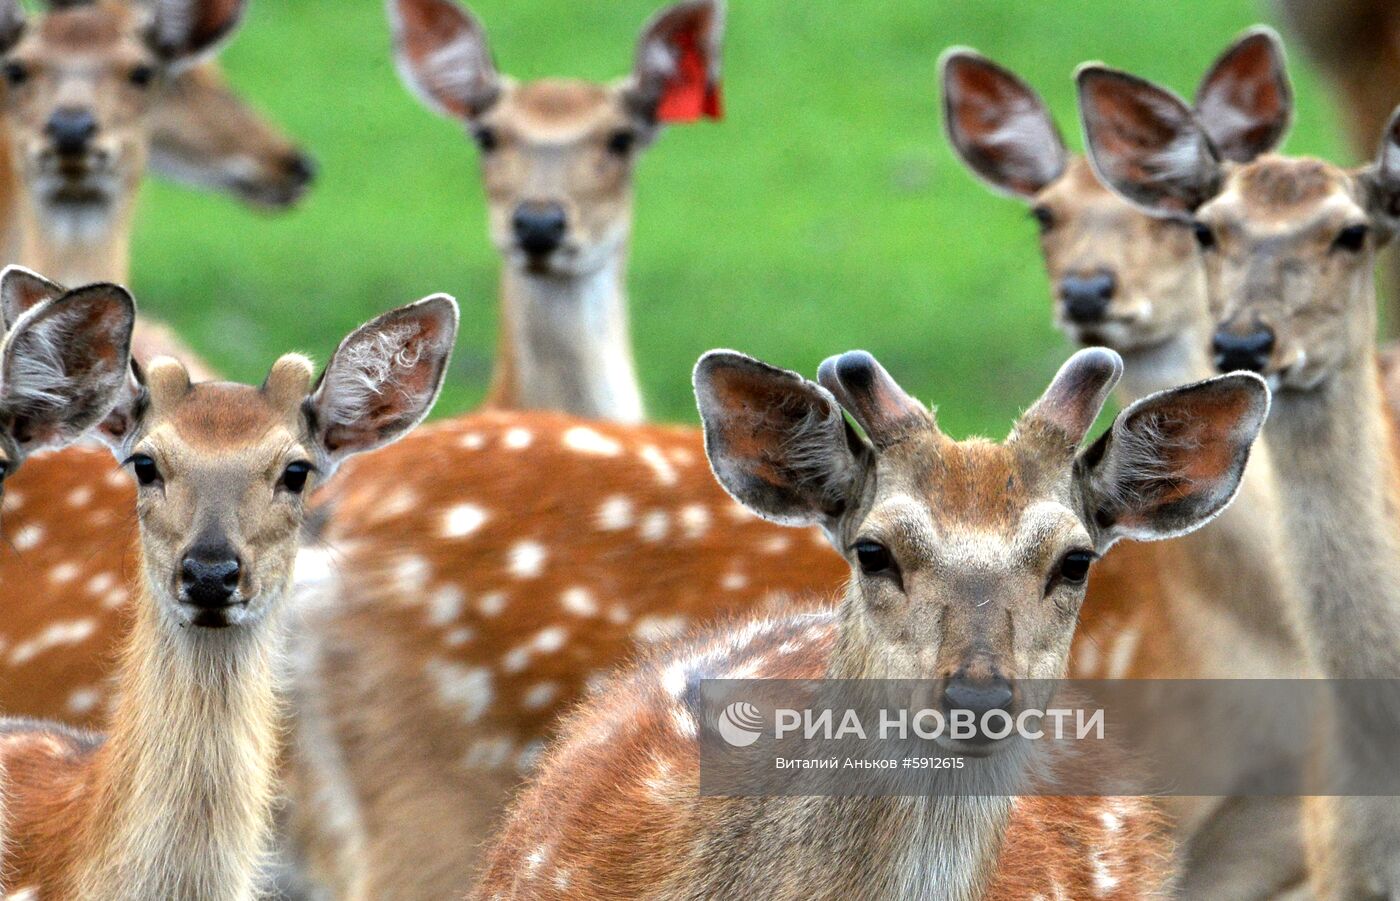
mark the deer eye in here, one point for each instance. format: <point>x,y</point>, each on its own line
<point>1352,238</point>
<point>874,558</point>
<point>294,476</point>
<point>620,143</point>
<point>486,139</point>
<point>1073,567</point>
<point>4,469</point>
<point>1204,236</point>
<point>141,76</point>
<point>16,74</point>
<point>1043,217</point>
<point>147,473</point>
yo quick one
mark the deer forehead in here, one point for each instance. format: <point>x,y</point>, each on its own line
<point>958,544</point>
<point>98,28</point>
<point>223,419</point>
<point>558,111</point>
<point>1275,195</point>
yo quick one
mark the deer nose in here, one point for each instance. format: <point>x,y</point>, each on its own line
<point>300,168</point>
<point>539,226</point>
<point>1086,297</point>
<point>71,128</point>
<point>209,576</point>
<point>1249,351</point>
<point>978,696</point>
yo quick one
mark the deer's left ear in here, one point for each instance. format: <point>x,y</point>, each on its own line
<point>12,18</point>
<point>183,32</point>
<point>384,378</point>
<point>1382,178</point>
<point>1245,101</point>
<point>1173,460</point>
<point>676,74</point>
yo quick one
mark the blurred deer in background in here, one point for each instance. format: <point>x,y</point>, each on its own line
<point>557,159</point>
<point>968,563</point>
<point>1289,249</point>
<point>1216,603</point>
<point>175,802</point>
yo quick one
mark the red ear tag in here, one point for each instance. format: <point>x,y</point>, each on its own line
<point>689,95</point>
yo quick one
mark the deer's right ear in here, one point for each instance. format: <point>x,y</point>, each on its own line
<point>384,378</point>
<point>778,443</point>
<point>1245,101</point>
<point>676,74</point>
<point>65,364</point>
<point>21,290</point>
<point>1382,178</point>
<point>999,127</point>
<point>12,18</point>
<point>441,53</point>
<point>1145,143</point>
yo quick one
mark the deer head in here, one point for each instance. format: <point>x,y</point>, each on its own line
<point>1288,244</point>
<point>222,469</point>
<point>1121,277</point>
<point>969,559</point>
<point>557,156</point>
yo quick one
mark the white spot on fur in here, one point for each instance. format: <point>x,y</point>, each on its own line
<point>587,441</point>
<point>115,598</point>
<point>80,496</point>
<point>615,513</point>
<point>411,572</point>
<point>658,628</point>
<point>82,701</point>
<point>529,756</point>
<point>655,526</point>
<point>445,605</point>
<point>550,639</point>
<point>527,559</point>
<point>492,603</point>
<point>733,581</point>
<point>489,753</point>
<point>684,722</point>
<point>473,441</point>
<point>1121,657</point>
<point>540,696</point>
<point>579,601</point>
<point>681,457</point>
<point>517,438</point>
<point>462,520</point>
<point>101,583</point>
<point>64,572</point>
<point>28,537</point>
<point>116,478</point>
<point>55,635</point>
<point>466,688</point>
<point>665,473</point>
<point>695,520</point>
<point>778,544</point>
<point>619,614</point>
<point>458,637</point>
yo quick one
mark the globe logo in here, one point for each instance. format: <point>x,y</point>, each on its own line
<point>740,724</point>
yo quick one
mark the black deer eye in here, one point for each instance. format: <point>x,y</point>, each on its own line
<point>1074,567</point>
<point>147,473</point>
<point>1043,217</point>
<point>620,143</point>
<point>486,139</point>
<point>4,469</point>
<point>874,558</point>
<point>141,76</point>
<point>16,74</point>
<point>294,476</point>
<point>1204,236</point>
<point>1352,238</point>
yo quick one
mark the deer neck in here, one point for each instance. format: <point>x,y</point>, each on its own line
<point>76,243</point>
<point>566,344</point>
<point>9,203</point>
<point>1332,447</point>
<point>1179,360</point>
<point>181,789</point>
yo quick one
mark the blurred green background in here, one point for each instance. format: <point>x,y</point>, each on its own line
<point>825,213</point>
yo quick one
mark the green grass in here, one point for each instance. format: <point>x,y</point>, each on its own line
<point>825,213</point>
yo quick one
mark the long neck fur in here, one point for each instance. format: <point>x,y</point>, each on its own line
<point>1332,447</point>
<point>565,344</point>
<point>76,245</point>
<point>181,790</point>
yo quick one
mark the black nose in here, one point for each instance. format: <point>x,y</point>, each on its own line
<point>300,168</point>
<point>71,128</point>
<point>1086,297</point>
<point>209,576</point>
<point>539,227</point>
<point>1249,351</point>
<point>978,696</point>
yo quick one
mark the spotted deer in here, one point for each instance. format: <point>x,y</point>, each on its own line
<point>557,160</point>
<point>81,87</point>
<point>1289,247</point>
<point>174,802</point>
<point>967,564</point>
<point>1214,604</point>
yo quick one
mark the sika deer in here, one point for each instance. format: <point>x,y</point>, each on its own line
<point>1217,603</point>
<point>1289,248</point>
<point>557,159</point>
<point>175,802</point>
<point>968,562</point>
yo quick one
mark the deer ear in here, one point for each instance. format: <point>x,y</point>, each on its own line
<point>1382,178</point>
<point>441,53</point>
<point>384,378</point>
<point>999,127</point>
<point>1245,101</point>
<point>64,365</point>
<point>676,74</point>
<point>778,443</point>
<point>1173,460</point>
<point>21,290</point>
<point>12,19</point>
<point>1145,144</point>
<point>183,32</point>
